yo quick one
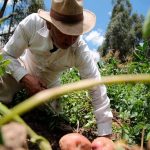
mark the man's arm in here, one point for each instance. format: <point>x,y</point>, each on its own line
<point>100,101</point>
<point>15,47</point>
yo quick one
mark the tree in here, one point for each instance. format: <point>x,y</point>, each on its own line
<point>124,30</point>
<point>3,8</point>
<point>34,5</point>
<point>22,8</point>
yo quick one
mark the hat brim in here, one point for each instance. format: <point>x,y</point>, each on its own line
<point>71,29</point>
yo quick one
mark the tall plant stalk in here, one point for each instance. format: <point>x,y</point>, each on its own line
<point>41,141</point>
<point>49,94</point>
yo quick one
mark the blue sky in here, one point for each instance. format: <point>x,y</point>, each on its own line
<point>102,9</point>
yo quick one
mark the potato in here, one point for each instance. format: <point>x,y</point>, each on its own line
<point>103,143</point>
<point>14,135</point>
<point>74,141</point>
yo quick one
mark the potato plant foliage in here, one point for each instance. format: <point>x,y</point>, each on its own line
<point>3,65</point>
<point>77,105</point>
<point>130,101</point>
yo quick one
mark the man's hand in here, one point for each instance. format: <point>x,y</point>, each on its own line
<point>32,84</point>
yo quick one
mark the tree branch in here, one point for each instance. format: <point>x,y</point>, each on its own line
<point>7,17</point>
<point>3,8</point>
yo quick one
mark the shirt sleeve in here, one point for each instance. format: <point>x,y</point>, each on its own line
<point>100,101</point>
<point>16,46</point>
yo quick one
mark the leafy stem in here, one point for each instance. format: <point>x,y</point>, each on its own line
<point>41,141</point>
<point>49,94</point>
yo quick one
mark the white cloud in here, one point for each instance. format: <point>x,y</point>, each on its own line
<point>109,13</point>
<point>95,36</point>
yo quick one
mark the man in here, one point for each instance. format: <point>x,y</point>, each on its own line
<point>50,43</point>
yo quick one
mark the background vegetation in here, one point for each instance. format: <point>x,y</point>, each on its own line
<point>20,9</point>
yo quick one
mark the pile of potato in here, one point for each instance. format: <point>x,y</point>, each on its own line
<point>76,141</point>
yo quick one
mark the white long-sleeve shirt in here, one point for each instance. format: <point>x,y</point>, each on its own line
<point>32,40</point>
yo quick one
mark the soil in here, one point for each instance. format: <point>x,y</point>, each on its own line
<point>48,124</point>
<point>41,124</point>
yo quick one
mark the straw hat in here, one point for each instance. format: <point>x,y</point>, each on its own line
<point>69,17</point>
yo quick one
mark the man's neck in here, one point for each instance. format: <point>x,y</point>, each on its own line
<point>54,49</point>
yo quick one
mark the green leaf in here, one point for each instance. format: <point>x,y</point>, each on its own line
<point>5,63</point>
<point>146,27</point>
<point>1,57</point>
<point>1,71</point>
<point>148,136</point>
<point>145,45</point>
<point>140,47</point>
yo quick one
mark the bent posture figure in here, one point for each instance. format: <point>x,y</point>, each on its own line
<point>44,45</point>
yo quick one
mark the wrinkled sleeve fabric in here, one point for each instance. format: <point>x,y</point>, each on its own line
<point>100,101</point>
<point>16,46</point>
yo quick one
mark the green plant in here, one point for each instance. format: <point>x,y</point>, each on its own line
<point>77,105</point>
<point>133,109</point>
<point>141,52</point>
<point>131,101</point>
<point>146,27</point>
<point>3,65</point>
<point>49,94</point>
<point>35,138</point>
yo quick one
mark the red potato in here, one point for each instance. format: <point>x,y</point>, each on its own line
<point>74,141</point>
<point>103,143</point>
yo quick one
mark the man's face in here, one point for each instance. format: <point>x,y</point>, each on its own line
<point>60,39</point>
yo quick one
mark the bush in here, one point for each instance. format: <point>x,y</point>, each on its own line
<point>77,106</point>
<point>131,101</point>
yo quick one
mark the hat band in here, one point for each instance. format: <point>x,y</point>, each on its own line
<point>66,18</point>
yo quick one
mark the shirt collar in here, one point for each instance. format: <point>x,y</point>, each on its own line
<point>44,32</point>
